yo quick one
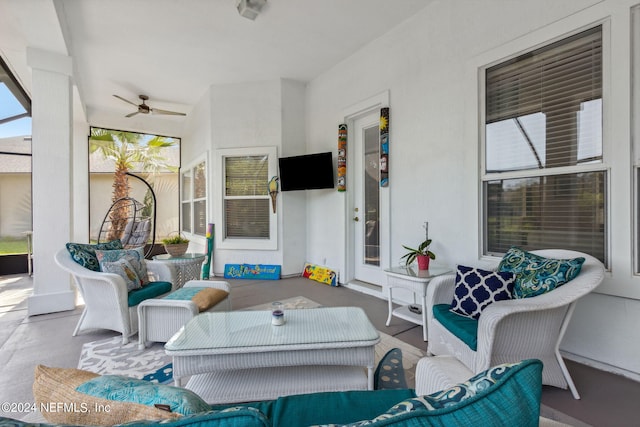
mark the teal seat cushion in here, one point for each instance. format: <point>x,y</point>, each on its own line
<point>265,407</point>
<point>505,395</point>
<point>335,407</point>
<point>150,290</point>
<point>133,390</point>
<point>465,328</point>
<point>185,294</point>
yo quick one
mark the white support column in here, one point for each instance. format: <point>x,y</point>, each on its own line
<point>52,171</point>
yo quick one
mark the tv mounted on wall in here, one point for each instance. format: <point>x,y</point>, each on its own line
<point>308,172</point>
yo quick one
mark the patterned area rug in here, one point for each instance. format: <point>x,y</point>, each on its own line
<point>109,356</point>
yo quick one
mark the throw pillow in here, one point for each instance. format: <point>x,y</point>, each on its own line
<point>135,258</point>
<point>85,254</point>
<point>124,389</point>
<point>54,389</point>
<point>208,297</point>
<point>124,268</point>
<point>507,394</point>
<point>475,289</point>
<point>536,275</point>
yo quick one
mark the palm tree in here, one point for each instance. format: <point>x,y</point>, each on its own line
<point>128,150</point>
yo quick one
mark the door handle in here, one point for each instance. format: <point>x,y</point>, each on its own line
<point>356,219</point>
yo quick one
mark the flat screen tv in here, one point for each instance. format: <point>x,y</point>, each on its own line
<point>308,172</point>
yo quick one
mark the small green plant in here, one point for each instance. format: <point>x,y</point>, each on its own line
<point>423,249</point>
<point>174,240</point>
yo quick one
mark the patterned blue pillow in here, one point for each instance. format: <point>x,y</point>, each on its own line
<point>123,267</point>
<point>134,256</point>
<point>133,390</point>
<point>85,254</point>
<point>536,275</point>
<point>475,289</point>
<point>507,394</point>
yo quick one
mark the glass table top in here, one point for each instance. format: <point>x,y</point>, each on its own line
<point>412,271</point>
<point>310,326</point>
<point>189,256</point>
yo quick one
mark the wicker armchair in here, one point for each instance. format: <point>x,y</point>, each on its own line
<point>106,297</point>
<point>517,329</point>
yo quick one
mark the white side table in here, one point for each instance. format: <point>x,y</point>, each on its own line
<point>416,281</point>
<point>188,267</point>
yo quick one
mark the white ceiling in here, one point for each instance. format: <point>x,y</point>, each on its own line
<point>173,51</point>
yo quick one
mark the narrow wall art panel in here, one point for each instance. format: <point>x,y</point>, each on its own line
<point>384,147</point>
<point>342,157</point>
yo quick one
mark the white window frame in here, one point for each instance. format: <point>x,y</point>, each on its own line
<point>187,195</point>
<point>484,177</point>
<point>246,243</point>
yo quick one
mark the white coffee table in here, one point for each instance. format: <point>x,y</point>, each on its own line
<point>240,357</point>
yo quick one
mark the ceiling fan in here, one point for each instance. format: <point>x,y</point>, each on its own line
<point>145,109</point>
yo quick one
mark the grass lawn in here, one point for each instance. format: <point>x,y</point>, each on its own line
<point>13,245</point>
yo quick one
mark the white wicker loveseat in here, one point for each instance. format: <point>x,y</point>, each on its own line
<point>106,296</point>
<point>518,328</point>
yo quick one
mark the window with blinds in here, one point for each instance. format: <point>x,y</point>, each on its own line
<point>194,199</point>
<point>543,180</point>
<point>246,197</point>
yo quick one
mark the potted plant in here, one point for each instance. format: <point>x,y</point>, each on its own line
<point>422,254</point>
<point>176,245</point>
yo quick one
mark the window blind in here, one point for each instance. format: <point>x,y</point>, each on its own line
<point>544,108</point>
<point>246,203</point>
<point>544,111</point>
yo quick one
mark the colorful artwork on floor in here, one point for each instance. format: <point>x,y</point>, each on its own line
<point>252,271</point>
<point>320,274</point>
<point>342,157</point>
<point>384,147</point>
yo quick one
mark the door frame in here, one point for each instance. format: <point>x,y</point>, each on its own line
<point>351,114</point>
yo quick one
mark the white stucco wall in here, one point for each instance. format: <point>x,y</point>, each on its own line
<point>429,65</point>
<point>250,114</point>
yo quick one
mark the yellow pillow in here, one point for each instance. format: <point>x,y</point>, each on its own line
<point>54,390</point>
<point>208,297</point>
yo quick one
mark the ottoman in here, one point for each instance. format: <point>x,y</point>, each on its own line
<point>159,319</point>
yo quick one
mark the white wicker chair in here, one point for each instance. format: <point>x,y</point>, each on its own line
<point>105,296</point>
<point>517,329</point>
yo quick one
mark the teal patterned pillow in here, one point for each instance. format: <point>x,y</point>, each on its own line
<point>134,256</point>
<point>235,416</point>
<point>123,267</point>
<point>85,254</point>
<point>133,390</point>
<point>536,275</point>
<point>507,394</point>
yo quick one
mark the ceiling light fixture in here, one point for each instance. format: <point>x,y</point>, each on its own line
<point>250,9</point>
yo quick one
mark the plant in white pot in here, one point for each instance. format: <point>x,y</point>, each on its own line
<point>422,254</point>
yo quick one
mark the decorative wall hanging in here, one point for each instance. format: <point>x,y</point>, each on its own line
<point>342,157</point>
<point>252,271</point>
<point>273,192</point>
<point>206,267</point>
<point>384,147</point>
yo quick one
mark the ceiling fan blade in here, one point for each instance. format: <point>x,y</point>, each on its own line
<point>131,114</point>
<point>125,100</point>
<point>166,112</point>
